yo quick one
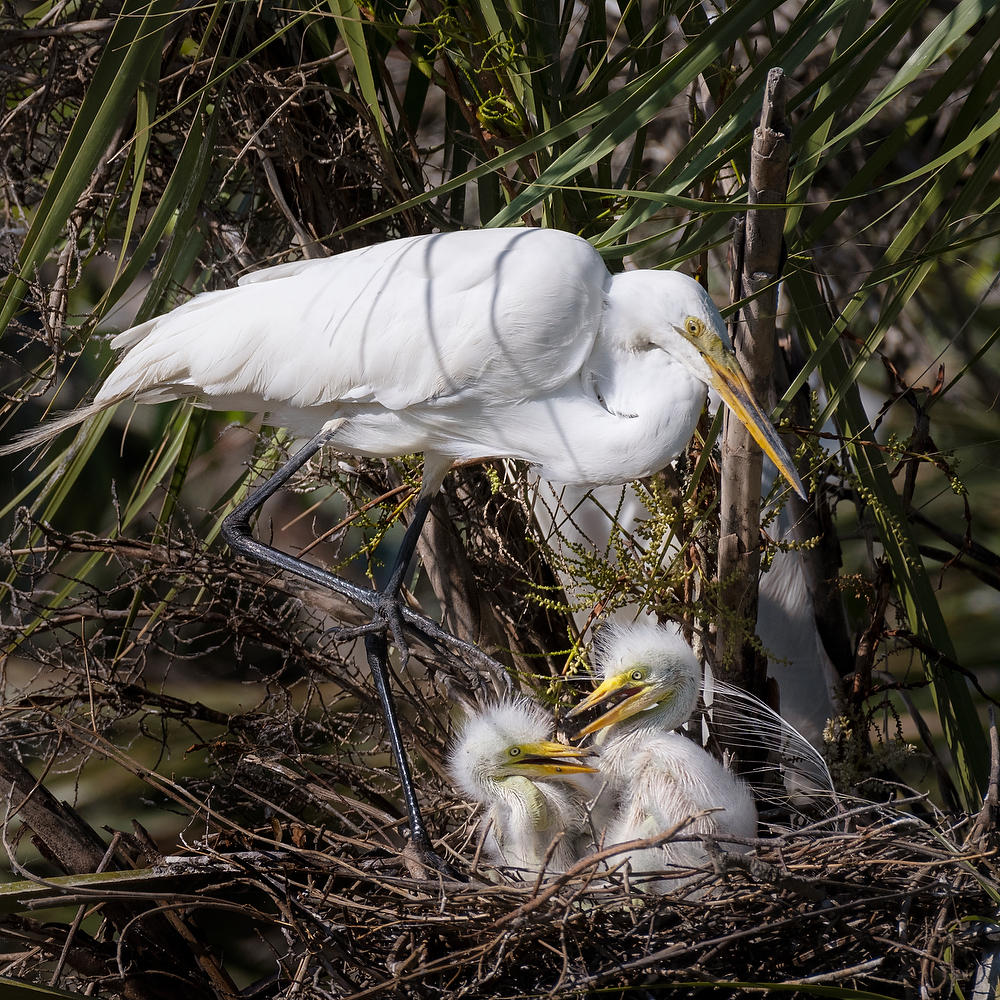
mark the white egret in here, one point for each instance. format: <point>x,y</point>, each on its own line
<point>536,789</point>
<point>495,343</point>
<point>658,778</point>
<point>808,684</point>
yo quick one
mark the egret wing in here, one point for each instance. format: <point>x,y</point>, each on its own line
<point>512,313</point>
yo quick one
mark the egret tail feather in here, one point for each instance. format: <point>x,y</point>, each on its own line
<point>53,428</point>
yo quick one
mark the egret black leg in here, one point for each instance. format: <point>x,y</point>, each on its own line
<point>236,532</point>
<point>237,535</point>
<point>377,648</point>
<point>237,524</point>
<point>388,605</point>
<point>409,543</point>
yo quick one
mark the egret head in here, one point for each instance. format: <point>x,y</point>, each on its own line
<point>648,673</point>
<point>511,740</point>
<point>671,311</point>
<point>728,380</point>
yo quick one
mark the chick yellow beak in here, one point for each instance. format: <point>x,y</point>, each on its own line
<point>548,759</point>
<point>731,384</point>
<point>637,696</point>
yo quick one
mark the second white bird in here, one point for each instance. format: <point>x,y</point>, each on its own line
<point>657,778</point>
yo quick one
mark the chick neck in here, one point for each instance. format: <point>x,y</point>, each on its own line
<point>620,742</point>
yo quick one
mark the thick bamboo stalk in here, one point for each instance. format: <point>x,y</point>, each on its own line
<point>755,277</point>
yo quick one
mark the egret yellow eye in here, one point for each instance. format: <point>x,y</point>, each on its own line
<point>693,326</point>
<point>637,675</point>
<point>515,751</point>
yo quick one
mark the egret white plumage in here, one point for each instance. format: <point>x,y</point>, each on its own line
<point>471,345</point>
<point>535,789</point>
<point>656,777</point>
<point>495,343</point>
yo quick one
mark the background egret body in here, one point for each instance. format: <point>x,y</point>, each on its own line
<point>656,777</point>
<point>535,789</point>
<point>574,520</point>
<point>489,343</point>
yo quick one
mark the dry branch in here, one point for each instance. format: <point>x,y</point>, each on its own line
<point>157,950</point>
<point>823,905</point>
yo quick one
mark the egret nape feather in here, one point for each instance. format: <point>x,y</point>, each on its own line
<point>657,778</point>
<point>535,789</point>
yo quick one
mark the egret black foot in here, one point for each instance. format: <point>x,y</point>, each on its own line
<point>426,856</point>
<point>387,616</point>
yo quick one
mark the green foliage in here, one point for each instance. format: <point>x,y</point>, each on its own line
<point>11,989</point>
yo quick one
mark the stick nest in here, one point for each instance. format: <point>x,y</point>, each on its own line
<point>294,877</point>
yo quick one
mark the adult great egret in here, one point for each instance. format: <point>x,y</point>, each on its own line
<point>491,343</point>
<point>658,778</point>
<point>536,789</point>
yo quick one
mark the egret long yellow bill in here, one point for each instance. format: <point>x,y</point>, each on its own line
<point>548,758</point>
<point>732,386</point>
<point>637,695</point>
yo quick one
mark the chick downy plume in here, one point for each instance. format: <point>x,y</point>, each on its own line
<point>530,803</point>
<point>656,778</point>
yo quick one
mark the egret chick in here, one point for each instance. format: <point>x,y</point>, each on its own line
<point>535,789</point>
<point>658,778</point>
